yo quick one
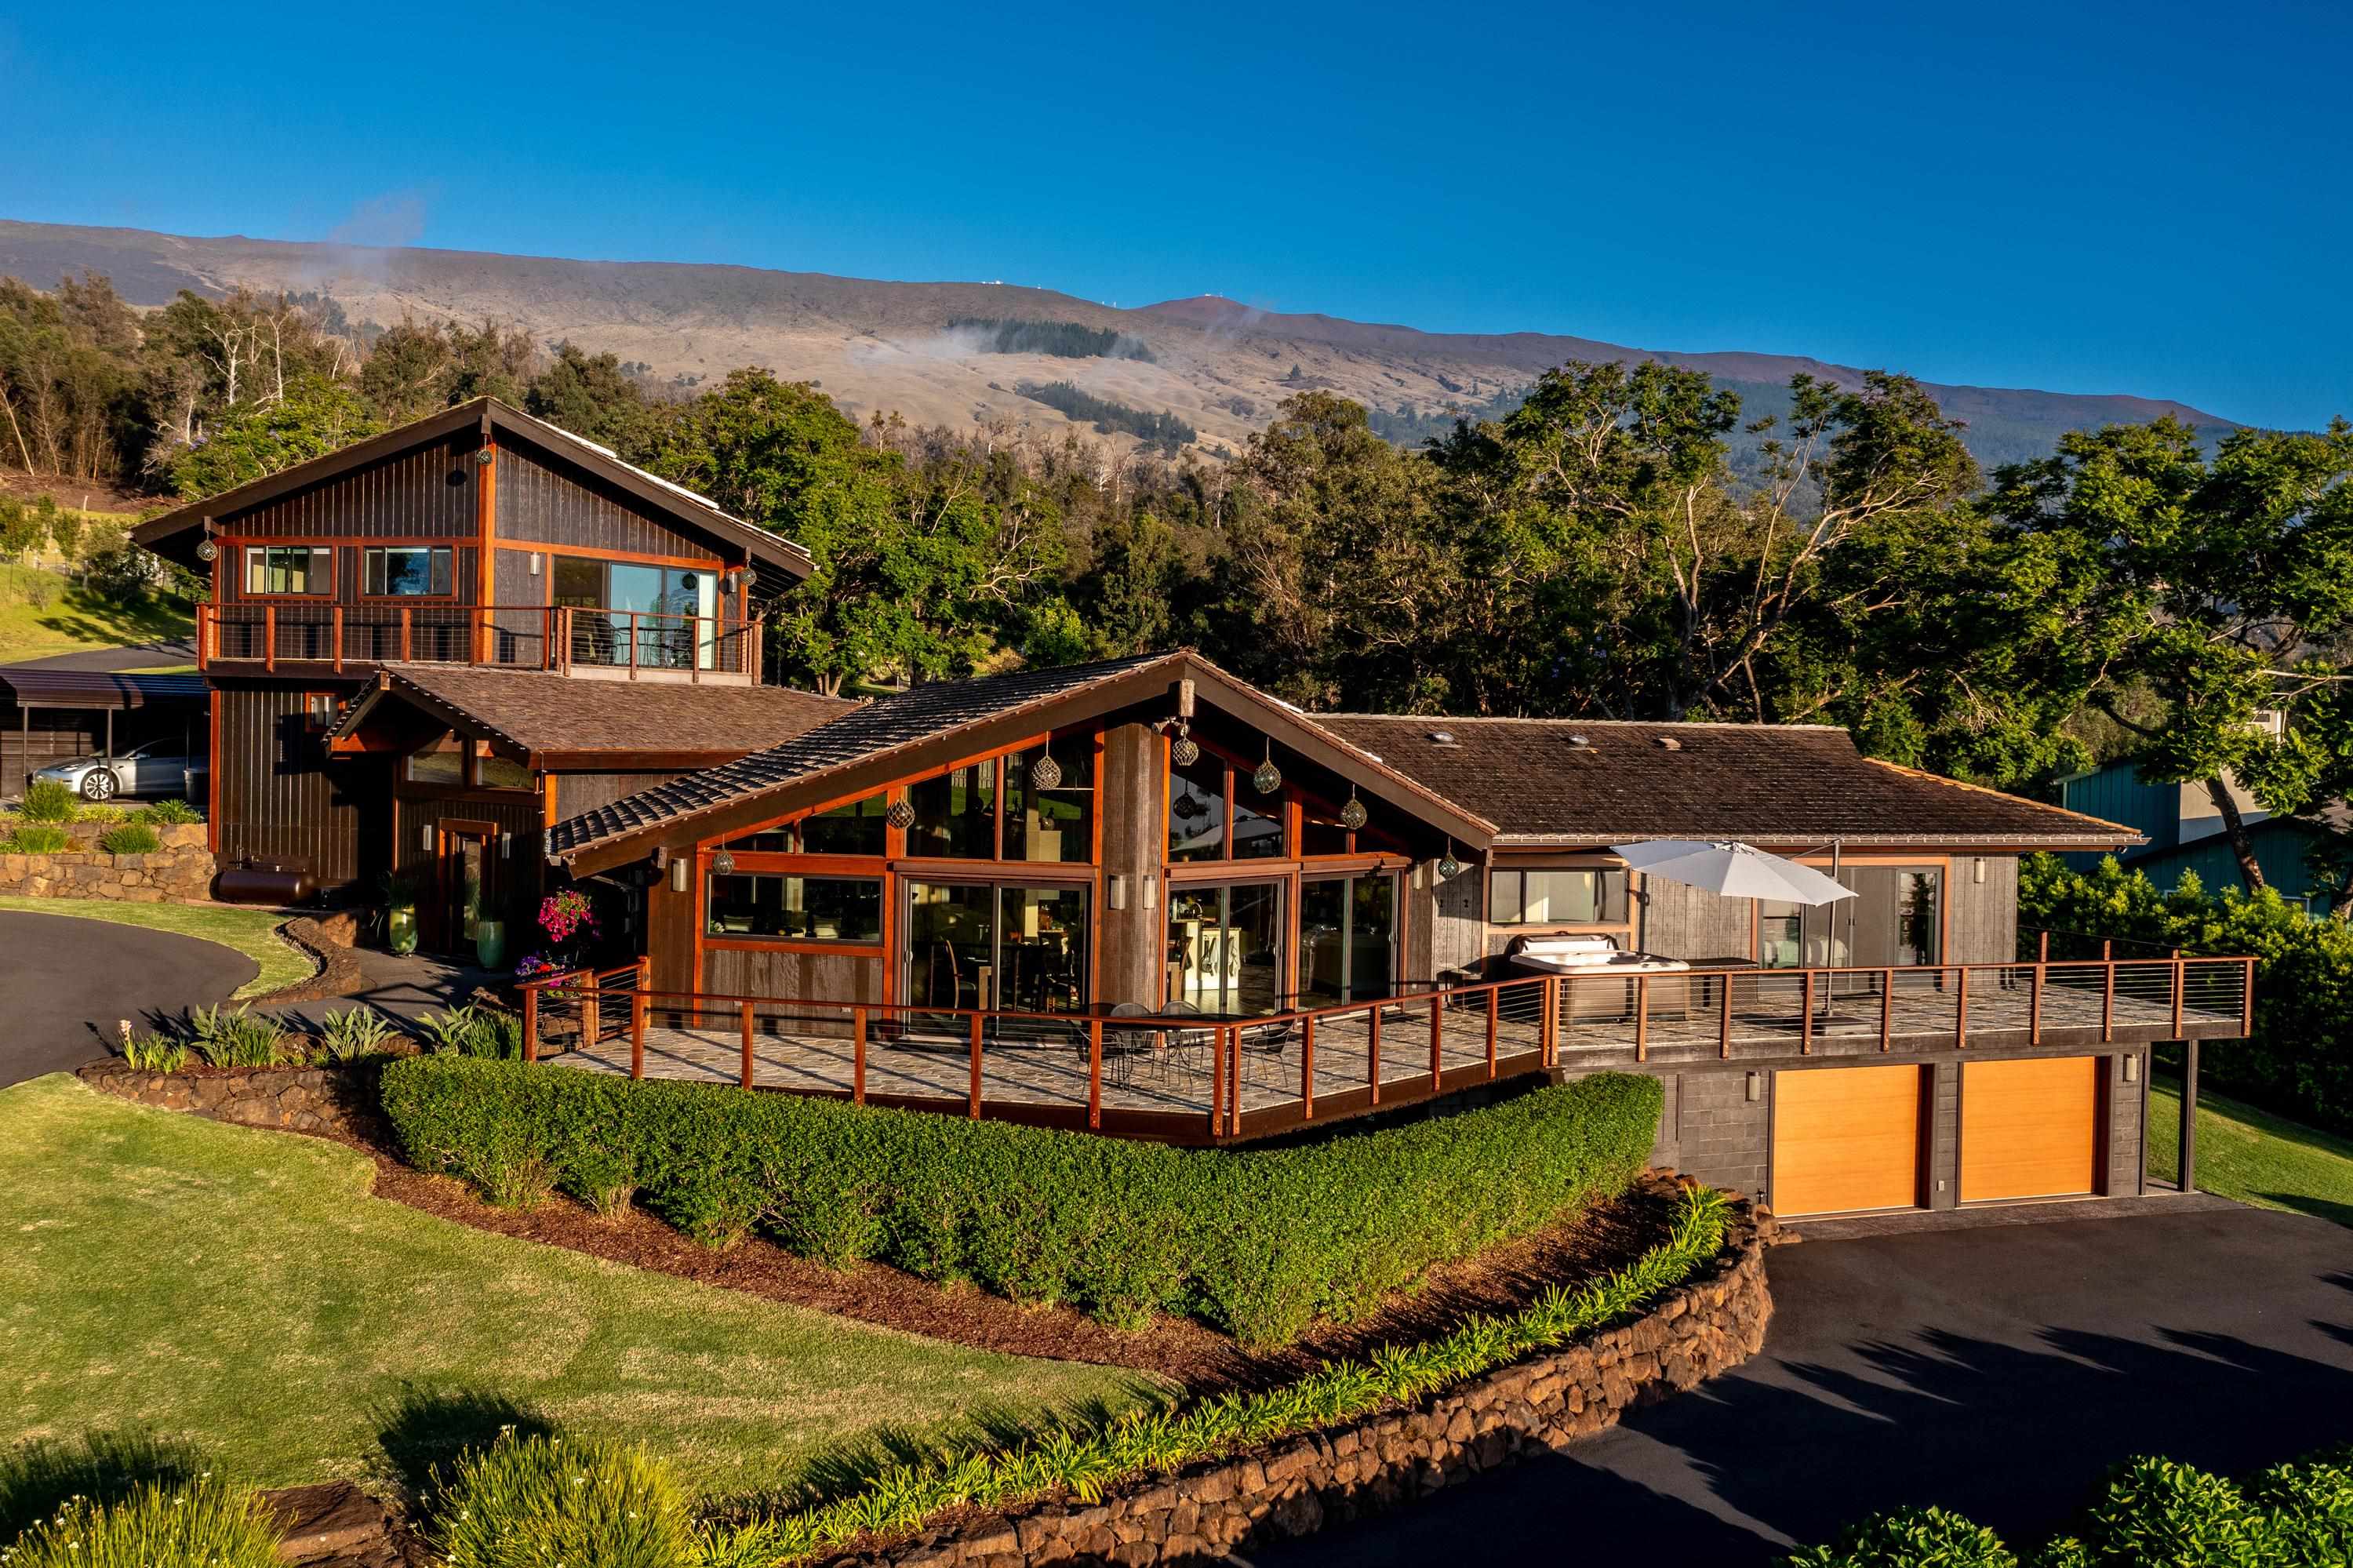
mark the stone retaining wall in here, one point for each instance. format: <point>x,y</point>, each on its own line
<point>1708,1325</point>
<point>299,1099</point>
<point>181,871</point>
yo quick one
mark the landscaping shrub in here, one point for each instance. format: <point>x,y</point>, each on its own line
<point>239,1038</point>
<point>2300,1059</point>
<point>353,1034</point>
<point>154,1052</point>
<point>474,1030</point>
<point>46,800</point>
<point>1262,1243</point>
<point>131,838</point>
<point>36,838</point>
<point>2151,1514</point>
<point>543,1501</point>
<point>170,814</point>
<point>203,1523</point>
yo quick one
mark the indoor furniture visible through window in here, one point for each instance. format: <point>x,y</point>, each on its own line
<point>1894,919</point>
<point>1226,946</point>
<point>1347,938</point>
<point>666,615</point>
<point>991,945</point>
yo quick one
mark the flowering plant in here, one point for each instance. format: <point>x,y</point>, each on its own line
<point>567,916</point>
<point>536,965</point>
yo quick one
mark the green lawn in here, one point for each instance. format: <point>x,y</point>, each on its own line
<point>2254,1156</point>
<point>253,932</point>
<point>241,1292</point>
<point>71,620</point>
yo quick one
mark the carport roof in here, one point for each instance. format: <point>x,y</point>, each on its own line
<point>52,688</point>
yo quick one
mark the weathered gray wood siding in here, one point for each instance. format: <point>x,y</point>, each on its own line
<point>1133,940</point>
<point>1982,916</point>
<point>1683,922</point>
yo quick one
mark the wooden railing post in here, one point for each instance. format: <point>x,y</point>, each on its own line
<point>269,637</point>
<point>335,630</point>
<point>746,1025</point>
<point>2181,983</point>
<point>1548,1026</point>
<point>1094,1068</point>
<point>1372,1051</point>
<point>637,1034</point>
<point>1307,1067</point>
<point>2247,1000</point>
<point>2036,978</point>
<point>1961,1011</point>
<point>1806,1017</point>
<point>531,1023</point>
<point>591,1026</point>
<point>1436,1048</point>
<point>1234,1100</point>
<point>633,662</point>
<point>1217,1086</point>
<point>408,626</point>
<point>1494,1010</point>
<point>1641,1018</point>
<point>858,1055</point>
<point>2188,1163</point>
<point>1724,1016</point>
<point>973,1095</point>
<point>547,637</point>
<point>1886,1007</point>
<point>2108,996</point>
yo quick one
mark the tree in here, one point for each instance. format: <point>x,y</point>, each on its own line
<point>21,532</point>
<point>64,527</point>
<point>592,396</point>
<point>2185,599</point>
<point>314,417</point>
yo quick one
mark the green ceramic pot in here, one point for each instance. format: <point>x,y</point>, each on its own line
<point>490,943</point>
<point>400,930</point>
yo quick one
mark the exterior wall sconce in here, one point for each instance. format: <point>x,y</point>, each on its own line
<point>1118,890</point>
<point>1151,892</point>
<point>2132,1069</point>
<point>425,839</point>
<point>535,563</point>
<point>1977,869</point>
<point>678,876</point>
<point>1756,1086</point>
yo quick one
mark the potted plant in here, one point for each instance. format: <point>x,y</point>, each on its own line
<point>399,914</point>
<point>489,931</point>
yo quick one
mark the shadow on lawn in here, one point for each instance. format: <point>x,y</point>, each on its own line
<point>424,1430</point>
<point>38,1477</point>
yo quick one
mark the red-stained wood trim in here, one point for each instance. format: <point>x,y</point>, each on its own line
<point>858,1055</point>
<point>974,1096</point>
<point>1307,1069</point>
<point>1094,1073</point>
<point>1373,1054</point>
<point>597,553</point>
<point>813,949</point>
<point>747,1048</point>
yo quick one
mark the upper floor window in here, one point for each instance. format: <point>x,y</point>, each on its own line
<point>856,828</point>
<point>994,809</point>
<point>288,568</point>
<point>404,571</point>
<point>1595,897</point>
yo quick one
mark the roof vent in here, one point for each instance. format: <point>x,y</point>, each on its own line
<point>1442,737</point>
<point>1667,743</point>
<point>1577,742</point>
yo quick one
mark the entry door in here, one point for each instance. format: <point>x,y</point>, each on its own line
<point>2030,1129</point>
<point>1846,1138</point>
<point>465,873</point>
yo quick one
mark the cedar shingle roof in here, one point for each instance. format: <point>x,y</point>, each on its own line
<point>540,712</point>
<point>1789,785</point>
<point>871,730</point>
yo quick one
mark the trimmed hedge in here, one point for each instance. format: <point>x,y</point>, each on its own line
<point>2153,1513</point>
<point>1261,1243</point>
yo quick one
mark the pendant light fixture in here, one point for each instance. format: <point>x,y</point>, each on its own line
<point>1352,815</point>
<point>1183,751</point>
<point>723,863</point>
<point>1448,868</point>
<point>1268,778</point>
<point>900,815</point>
<point>1045,773</point>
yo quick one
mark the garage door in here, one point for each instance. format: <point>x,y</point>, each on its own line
<point>1846,1138</point>
<point>2030,1129</point>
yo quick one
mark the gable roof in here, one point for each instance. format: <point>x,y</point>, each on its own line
<point>488,414</point>
<point>905,723</point>
<point>563,721</point>
<point>1785,785</point>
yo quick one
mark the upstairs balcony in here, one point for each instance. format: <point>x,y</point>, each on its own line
<point>308,638</point>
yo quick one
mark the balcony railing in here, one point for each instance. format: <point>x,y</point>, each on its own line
<point>272,633</point>
<point>1195,1077</point>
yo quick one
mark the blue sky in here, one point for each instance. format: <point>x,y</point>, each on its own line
<point>2146,197</point>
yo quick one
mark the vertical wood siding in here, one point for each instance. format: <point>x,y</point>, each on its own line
<point>1983,927</point>
<point>1133,940</point>
<point>826,976</point>
<point>521,867</point>
<point>282,800</point>
<point>1681,922</point>
<point>546,501</point>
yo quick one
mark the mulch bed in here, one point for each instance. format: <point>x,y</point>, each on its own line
<point>1199,1359</point>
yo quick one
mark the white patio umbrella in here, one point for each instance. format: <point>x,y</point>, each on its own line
<point>1734,870</point>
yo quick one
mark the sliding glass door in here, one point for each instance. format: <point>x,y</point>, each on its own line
<point>990,945</point>
<point>1347,938</point>
<point>1227,947</point>
<point>1895,919</point>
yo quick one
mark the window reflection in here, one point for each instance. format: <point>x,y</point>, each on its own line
<point>1226,947</point>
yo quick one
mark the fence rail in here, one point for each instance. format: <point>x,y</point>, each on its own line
<point>530,637</point>
<point>1194,1077</point>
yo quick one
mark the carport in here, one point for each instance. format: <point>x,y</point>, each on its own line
<point>50,714</point>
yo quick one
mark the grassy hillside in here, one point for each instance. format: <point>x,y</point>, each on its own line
<point>41,615</point>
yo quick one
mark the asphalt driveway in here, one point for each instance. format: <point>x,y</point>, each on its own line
<point>1998,1372</point>
<point>64,983</point>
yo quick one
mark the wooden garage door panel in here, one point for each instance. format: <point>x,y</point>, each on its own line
<point>1846,1138</point>
<point>2030,1129</point>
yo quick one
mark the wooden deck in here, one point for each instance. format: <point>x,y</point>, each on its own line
<point>1193,1081</point>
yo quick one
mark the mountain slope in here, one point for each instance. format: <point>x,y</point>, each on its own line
<point>1219,365</point>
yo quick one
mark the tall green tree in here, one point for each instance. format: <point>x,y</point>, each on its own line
<point>592,396</point>
<point>316,415</point>
<point>2186,599</point>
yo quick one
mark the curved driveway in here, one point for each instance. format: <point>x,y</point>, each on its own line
<point>64,982</point>
<point>1998,1370</point>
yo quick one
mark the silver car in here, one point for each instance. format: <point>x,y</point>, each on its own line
<point>158,767</point>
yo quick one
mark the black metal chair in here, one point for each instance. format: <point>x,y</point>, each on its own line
<point>1121,1048</point>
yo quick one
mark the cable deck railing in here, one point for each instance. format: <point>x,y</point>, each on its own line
<point>1190,1077</point>
<point>532,637</point>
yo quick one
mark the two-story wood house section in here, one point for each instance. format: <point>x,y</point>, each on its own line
<point>565,628</point>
